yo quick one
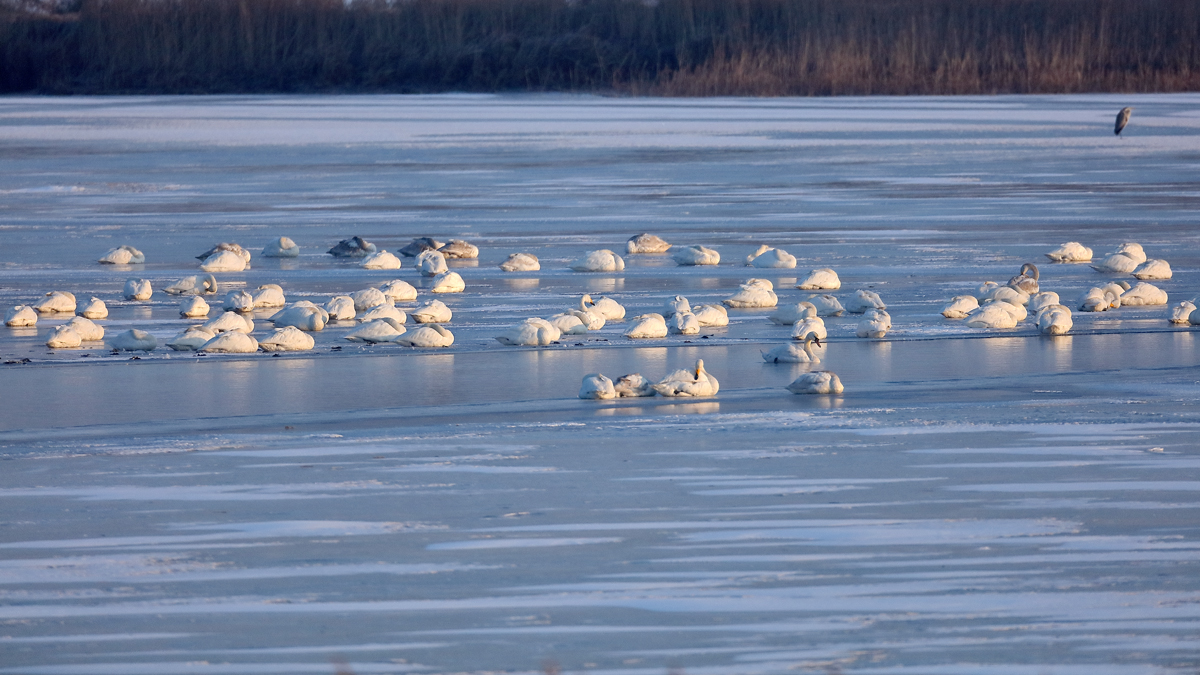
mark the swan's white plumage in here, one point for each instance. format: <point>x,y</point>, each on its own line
<point>281,248</point>
<point>1043,299</point>
<point>225,261</point>
<point>772,258</point>
<point>1027,280</point>
<point>95,309</point>
<point>826,305</point>
<point>287,339</point>
<point>341,308</point>
<point>137,289</point>
<point>230,322</point>
<point>610,309</point>
<point>788,315</point>
<point>813,324</point>
<point>684,323</point>
<point>819,382</point>
<point>434,311</point>
<point>532,332</point>
<point>431,263</point>
<point>134,340</point>
<point>380,260</point>
<point>711,315</point>
<point>1098,300</point>
<point>985,291</point>
<point>304,317</point>
<point>992,314</point>
<point>63,337</point>
<point>647,326</point>
<point>1054,320</point>
<point>192,307</point>
<point>875,324</point>
<point>378,330</point>
<point>447,282</point>
<point>123,255</point>
<point>398,290</point>
<point>1180,313</point>
<point>675,305</point>
<point>268,296</point>
<point>88,331</point>
<point>695,255</point>
<point>231,342</point>
<point>753,294</point>
<point>368,298</point>
<point>569,324</point>
<point>697,383</point>
<point>192,339</point>
<point>602,260</point>
<point>1143,294</point>
<point>238,301</point>
<point>457,249</point>
<point>1153,269</point>
<point>863,300</point>
<point>1071,251</point>
<point>21,316</point>
<point>794,352</point>
<point>646,243</point>
<point>633,385</point>
<point>596,386</point>
<point>428,335</point>
<point>383,312</point>
<point>56,302</point>
<point>824,279</point>
<point>200,284</point>
<point>521,262</point>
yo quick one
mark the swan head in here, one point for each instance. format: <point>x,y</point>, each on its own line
<point>1030,270</point>
<point>811,339</point>
<point>585,301</point>
<point>392,322</point>
<point>440,331</point>
<point>807,310</point>
<point>699,367</point>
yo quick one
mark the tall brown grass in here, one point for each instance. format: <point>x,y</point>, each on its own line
<point>666,47</point>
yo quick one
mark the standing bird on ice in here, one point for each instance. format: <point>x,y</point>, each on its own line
<point>1122,120</point>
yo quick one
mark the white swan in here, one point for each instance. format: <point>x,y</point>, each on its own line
<point>695,255</point>
<point>307,317</point>
<point>646,243</point>
<point>1181,312</point>
<point>1043,299</point>
<point>633,385</point>
<point>228,247</point>
<point>597,387</point>
<point>231,342</point>
<point>697,383</point>
<point>824,279</point>
<point>87,330</point>
<point>591,318</point>
<point>647,326</point>
<point>379,330</point>
<point>1098,300</point>
<point>56,302</point>
<point>1153,269</point>
<point>368,298</point>
<point>819,382</point>
<point>1010,294</point>
<point>863,300</point>
<point>1070,252</point>
<point>137,289</point>
<point>447,282</point>
<point>268,296</point>
<point>398,290</point>
<point>459,249</point>
<point>1054,320</point>
<point>813,324</point>
<point>532,332</point>
<point>771,258</point>
<point>610,309</point>
<point>95,309</point>
<point>431,263</point>
<point>380,260</point>
<point>685,323</point>
<point>193,307</point>
<point>281,248</point>
<point>123,255</point>
<point>419,245</point>
<point>795,352</point>
<point>226,261</point>
<point>200,284</point>
<point>388,311</point>
<point>569,324</point>
<point>754,293</point>
<point>354,247</point>
<point>1027,280</point>
<point>340,308</point>
<point>826,305</point>
<point>992,314</point>
<point>21,316</point>
<point>1144,294</point>
<point>229,322</point>
<point>875,324</point>
<point>238,301</point>
<point>986,289</point>
<point>711,315</point>
<point>675,305</point>
<point>788,315</point>
<point>1117,262</point>
<point>134,340</point>
<point>287,339</point>
<point>602,260</point>
<point>1133,250</point>
<point>428,335</point>
<point>434,311</point>
<point>521,262</point>
<point>192,339</point>
<point>63,337</point>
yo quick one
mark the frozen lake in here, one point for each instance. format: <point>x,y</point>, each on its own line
<point>978,501</point>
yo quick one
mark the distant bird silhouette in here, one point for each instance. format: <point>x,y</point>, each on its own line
<point>1122,120</point>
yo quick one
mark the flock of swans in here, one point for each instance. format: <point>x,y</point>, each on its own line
<point>379,320</point>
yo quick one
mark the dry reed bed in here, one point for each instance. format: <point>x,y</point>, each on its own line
<point>668,47</point>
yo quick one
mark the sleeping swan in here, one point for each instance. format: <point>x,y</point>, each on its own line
<point>696,383</point>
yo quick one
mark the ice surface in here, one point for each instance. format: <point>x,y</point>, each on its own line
<point>976,502</point>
